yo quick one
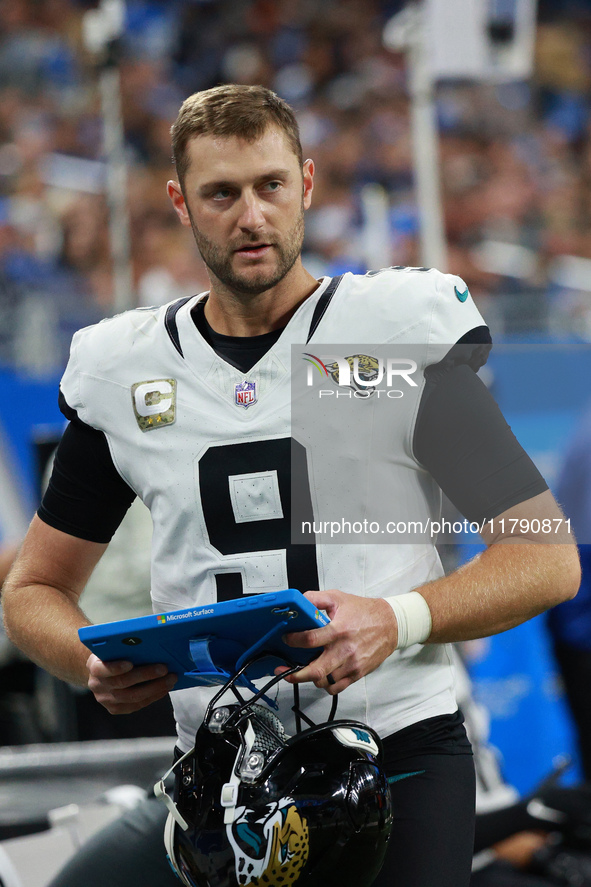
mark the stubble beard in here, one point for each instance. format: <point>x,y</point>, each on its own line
<point>219,261</point>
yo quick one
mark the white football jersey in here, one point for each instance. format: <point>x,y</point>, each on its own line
<point>207,448</point>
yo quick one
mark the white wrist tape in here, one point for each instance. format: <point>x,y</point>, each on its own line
<point>413,617</point>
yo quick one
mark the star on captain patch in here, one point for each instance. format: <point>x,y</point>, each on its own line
<point>245,394</point>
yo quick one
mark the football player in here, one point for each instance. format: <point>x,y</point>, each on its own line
<point>188,407</point>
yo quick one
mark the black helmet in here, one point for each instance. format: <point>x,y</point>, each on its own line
<point>255,807</point>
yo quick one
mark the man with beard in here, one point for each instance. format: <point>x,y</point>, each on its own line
<point>156,404</point>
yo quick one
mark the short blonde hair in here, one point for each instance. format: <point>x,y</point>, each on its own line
<point>231,110</point>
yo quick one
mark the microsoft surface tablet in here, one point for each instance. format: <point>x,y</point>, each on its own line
<point>205,645</point>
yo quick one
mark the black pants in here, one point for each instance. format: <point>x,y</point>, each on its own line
<point>431,774</point>
<point>575,668</point>
<point>432,782</point>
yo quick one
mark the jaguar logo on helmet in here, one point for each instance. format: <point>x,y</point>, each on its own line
<point>272,848</point>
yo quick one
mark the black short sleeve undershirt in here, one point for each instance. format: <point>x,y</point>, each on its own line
<point>86,496</point>
<point>461,438</point>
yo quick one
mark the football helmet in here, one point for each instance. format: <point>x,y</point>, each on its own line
<point>255,807</point>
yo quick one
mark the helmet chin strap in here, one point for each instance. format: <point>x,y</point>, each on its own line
<point>174,818</point>
<point>160,792</point>
<point>229,795</point>
<point>169,847</point>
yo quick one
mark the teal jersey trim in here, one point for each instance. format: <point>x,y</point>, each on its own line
<point>400,776</point>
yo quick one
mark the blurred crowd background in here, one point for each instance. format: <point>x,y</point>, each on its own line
<point>516,157</point>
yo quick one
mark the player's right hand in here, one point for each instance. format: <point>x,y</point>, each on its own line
<point>123,688</point>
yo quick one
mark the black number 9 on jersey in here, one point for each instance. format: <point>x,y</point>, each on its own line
<point>230,477</point>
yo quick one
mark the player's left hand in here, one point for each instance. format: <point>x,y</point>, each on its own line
<point>361,634</point>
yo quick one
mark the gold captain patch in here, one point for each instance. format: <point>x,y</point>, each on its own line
<point>154,403</point>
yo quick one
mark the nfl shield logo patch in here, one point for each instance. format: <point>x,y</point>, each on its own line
<point>245,394</point>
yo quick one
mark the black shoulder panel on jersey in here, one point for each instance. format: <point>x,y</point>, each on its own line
<point>170,322</point>
<point>472,350</point>
<point>65,408</point>
<point>476,336</point>
<point>463,440</point>
<point>86,496</point>
<point>322,305</point>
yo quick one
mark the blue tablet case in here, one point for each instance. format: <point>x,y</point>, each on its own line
<point>205,645</point>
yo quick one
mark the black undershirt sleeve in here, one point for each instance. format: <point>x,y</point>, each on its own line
<point>86,496</point>
<point>463,440</point>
